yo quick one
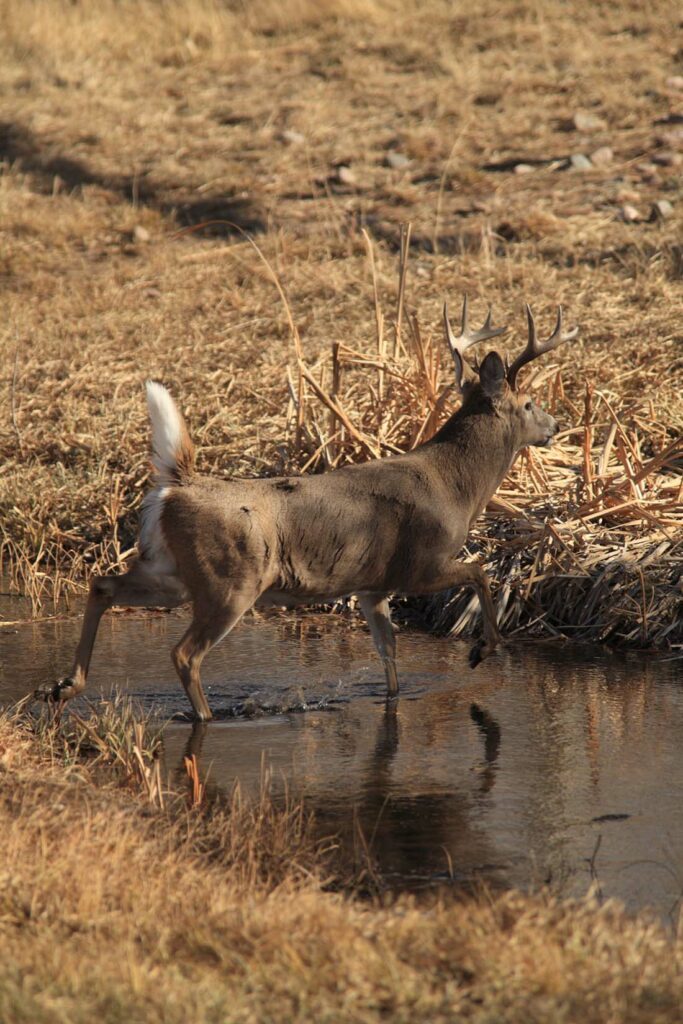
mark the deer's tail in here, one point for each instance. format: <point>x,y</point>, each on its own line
<point>172,449</point>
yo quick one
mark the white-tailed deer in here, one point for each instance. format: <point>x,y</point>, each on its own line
<point>390,526</point>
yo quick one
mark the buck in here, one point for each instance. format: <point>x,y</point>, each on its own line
<point>388,526</point>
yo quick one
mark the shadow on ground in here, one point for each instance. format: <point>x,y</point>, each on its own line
<point>224,215</point>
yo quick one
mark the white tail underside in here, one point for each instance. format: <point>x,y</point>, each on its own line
<point>166,431</point>
<point>166,440</point>
<point>151,543</point>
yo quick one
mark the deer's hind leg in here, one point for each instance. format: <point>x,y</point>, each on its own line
<point>139,588</point>
<point>211,621</point>
<point>375,608</point>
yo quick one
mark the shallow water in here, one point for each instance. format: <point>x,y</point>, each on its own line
<point>547,763</point>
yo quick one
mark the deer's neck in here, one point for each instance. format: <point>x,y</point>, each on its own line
<point>474,451</point>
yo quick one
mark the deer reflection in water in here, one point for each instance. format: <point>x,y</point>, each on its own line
<point>409,836</point>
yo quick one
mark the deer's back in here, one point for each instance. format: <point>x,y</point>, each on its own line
<point>374,527</point>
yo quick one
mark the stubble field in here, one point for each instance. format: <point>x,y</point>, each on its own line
<point>146,147</point>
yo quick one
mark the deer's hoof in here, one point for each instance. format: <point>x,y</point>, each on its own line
<point>62,690</point>
<point>477,654</point>
<point>482,649</point>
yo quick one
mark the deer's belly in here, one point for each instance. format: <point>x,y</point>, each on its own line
<point>292,599</point>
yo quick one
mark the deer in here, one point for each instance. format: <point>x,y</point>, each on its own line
<point>389,526</point>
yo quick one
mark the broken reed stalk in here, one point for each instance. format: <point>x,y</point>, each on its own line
<point>197,787</point>
<point>300,400</point>
<point>399,350</point>
<point>379,317</point>
<point>13,398</point>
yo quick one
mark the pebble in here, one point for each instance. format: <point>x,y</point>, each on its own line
<point>647,171</point>
<point>580,162</point>
<point>397,160</point>
<point>602,156</point>
<point>667,158</point>
<point>345,175</point>
<point>585,122</point>
<point>141,234</point>
<point>629,214</point>
<point>673,137</point>
<point>523,169</point>
<point>662,209</point>
<point>675,82</point>
<point>292,138</point>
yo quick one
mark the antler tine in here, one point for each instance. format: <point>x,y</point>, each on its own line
<point>451,338</point>
<point>557,337</point>
<point>535,348</point>
<point>458,344</point>
<point>452,342</point>
<point>532,340</point>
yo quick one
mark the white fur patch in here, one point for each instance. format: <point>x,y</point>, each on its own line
<point>151,543</point>
<point>166,431</point>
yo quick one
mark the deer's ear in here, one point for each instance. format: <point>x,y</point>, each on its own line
<point>492,376</point>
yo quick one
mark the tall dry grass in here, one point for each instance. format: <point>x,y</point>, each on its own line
<point>135,135</point>
<point>113,908</point>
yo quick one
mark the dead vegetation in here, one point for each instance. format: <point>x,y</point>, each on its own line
<point>584,540</point>
<point>138,149</point>
<point>114,906</point>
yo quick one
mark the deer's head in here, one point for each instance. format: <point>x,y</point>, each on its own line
<point>492,385</point>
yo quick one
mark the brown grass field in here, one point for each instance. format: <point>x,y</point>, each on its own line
<point>264,206</point>
<point>145,144</point>
<point>115,908</point>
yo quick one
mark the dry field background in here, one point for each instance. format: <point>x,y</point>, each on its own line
<point>115,908</point>
<point>139,141</point>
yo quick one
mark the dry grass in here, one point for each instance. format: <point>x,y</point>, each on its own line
<point>115,909</point>
<point>134,142</point>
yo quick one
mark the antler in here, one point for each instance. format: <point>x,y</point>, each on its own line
<point>458,344</point>
<point>535,348</point>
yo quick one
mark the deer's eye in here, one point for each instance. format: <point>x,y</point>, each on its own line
<point>528,406</point>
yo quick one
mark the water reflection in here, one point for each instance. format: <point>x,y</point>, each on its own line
<point>513,771</point>
<point>418,838</point>
<point>413,837</point>
<point>490,730</point>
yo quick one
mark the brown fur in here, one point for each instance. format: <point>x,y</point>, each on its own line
<point>185,457</point>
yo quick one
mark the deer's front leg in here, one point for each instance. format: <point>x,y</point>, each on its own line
<point>472,574</point>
